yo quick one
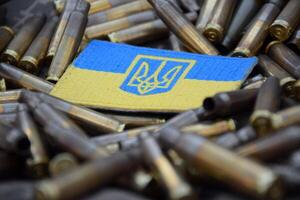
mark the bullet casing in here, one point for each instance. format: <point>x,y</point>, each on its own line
<point>144,32</point>
<point>62,163</point>
<point>182,28</point>
<point>8,108</point>
<point>88,177</point>
<point>270,148</point>
<point>245,11</point>
<point>294,43</point>
<point>271,68</point>
<point>221,16</point>
<point>206,11</point>
<point>226,103</point>
<point>11,96</point>
<point>68,46</point>
<point>24,79</point>
<point>267,102</point>
<point>118,12</point>
<point>101,30</point>
<point>285,57</point>
<point>39,158</point>
<point>22,40</point>
<point>255,35</point>
<point>6,35</point>
<point>177,188</point>
<point>286,117</point>
<point>287,21</point>
<point>38,49</point>
<point>91,118</point>
<point>101,5</point>
<point>205,156</point>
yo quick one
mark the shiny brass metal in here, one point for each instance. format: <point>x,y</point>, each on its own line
<point>286,117</point>
<point>95,120</point>
<point>285,57</point>
<point>118,12</point>
<point>216,27</point>
<point>24,79</point>
<point>101,30</point>
<point>257,32</point>
<point>176,187</point>
<point>68,46</point>
<point>287,21</point>
<point>36,53</point>
<point>145,32</point>
<point>182,28</point>
<point>205,14</point>
<point>6,35</point>
<point>89,176</point>
<point>10,96</point>
<point>62,163</point>
<point>267,102</point>
<point>101,5</point>
<point>39,157</point>
<point>223,165</point>
<point>22,40</point>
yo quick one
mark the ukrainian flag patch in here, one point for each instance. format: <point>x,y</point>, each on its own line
<point>123,77</point>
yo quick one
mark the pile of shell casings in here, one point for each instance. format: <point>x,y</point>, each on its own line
<point>242,144</point>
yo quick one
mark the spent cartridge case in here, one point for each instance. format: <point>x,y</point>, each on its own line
<point>182,28</point>
<point>119,12</point>
<point>285,57</point>
<point>226,103</point>
<point>101,5</point>
<point>205,14</point>
<point>88,117</point>
<point>289,176</point>
<point>70,139</point>
<point>232,140</point>
<point>24,79</point>
<point>257,32</point>
<point>8,118</point>
<point>37,51</point>
<point>211,130</point>
<point>176,187</point>
<point>175,43</point>
<point>13,140</point>
<point>245,11</point>
<point>251,177</point>
<point>62,163</point>
<point>272,147</point>
<point>286,117</point>
<point>101,30</point>
<point>10,96</point>
<point>267,102</point>
<point>278,3</point>
<point>59,5</point>
<point>39,157</point>
<point>88,177</point>
<point>68,46</point>
<point>6,35</point>
<point>55,41</point>
<point>135,121</point>
<point>287,21</point>
<point>270,68</point>
<point>144,32</point>
<point>294,42</point>
<point>221,16</point>
<point>22,40</point>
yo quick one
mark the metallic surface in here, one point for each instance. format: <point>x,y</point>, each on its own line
<point>6,35</point>
<point>101,30</point>
<point>251,177</point>
<point>287,21</point>
<point>267,102</point>
<point>11,96</point>
<point>22,40</point>
<point>285,57</point>
<point>62,163</point>
<point>182,28</point>
<point>118,12</point>
<point>24,79</point>
<point>101,5</point>
<point>255,35</point>
<point>145,32</point>
<point>219,21</point>
<point>89,176</point>
<point>36,53</point>
<point>68,46</point>
<point>286,117</point>
<point>206,11</point>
